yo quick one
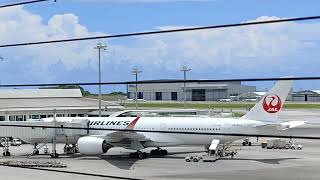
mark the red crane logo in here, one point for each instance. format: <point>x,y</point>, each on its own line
<point>271,103</point>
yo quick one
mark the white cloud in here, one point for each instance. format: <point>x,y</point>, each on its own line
<point>284,47</point>
<point>19,25</point>
<point>268,47</point>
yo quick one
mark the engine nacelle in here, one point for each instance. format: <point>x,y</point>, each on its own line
<point>92,145</point>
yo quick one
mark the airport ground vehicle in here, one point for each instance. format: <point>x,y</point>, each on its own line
<point>296,146</point>
<point>16,142</point>
<point>204,158</point>
<point>246,142</point>
<point>211,156</point>
<point>277,143</point>
<point>193,159</point>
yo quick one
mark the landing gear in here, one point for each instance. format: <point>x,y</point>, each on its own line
<point>54,155</point>
<point>36,152</point>
<point>70,149</point>
<point>154,152</point>
<point>7,153</point>
<point>139,155</point>
<point>158,152</point>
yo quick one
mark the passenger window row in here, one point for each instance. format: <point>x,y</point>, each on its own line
<point>196,129</point>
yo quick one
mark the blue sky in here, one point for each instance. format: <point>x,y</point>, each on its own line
<point>261,51</point>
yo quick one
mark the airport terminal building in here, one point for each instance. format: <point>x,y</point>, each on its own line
<point>24,104</point>
<point>194,91</point>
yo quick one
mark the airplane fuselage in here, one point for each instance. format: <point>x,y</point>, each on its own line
<point>176,124</point>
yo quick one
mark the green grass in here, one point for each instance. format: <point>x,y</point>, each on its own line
<point>301,106</point>
<point>238,114</point>
<point>220,105</point>
<point>105,97</point>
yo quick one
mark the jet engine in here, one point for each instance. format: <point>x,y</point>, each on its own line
<point>92,145</point>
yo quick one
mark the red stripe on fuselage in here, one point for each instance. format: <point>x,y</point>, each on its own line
<point>133,123</point>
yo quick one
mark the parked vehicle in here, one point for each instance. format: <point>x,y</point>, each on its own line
<point>193,159</point>
<point>277,143</point>
<point>264,144</point>
<point>296,146</point>
<point>16,142</point>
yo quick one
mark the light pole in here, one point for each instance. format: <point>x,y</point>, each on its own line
<point>100,47</point>
<point>135,71</point>
<point>1,59</point>
<point>185,69</point>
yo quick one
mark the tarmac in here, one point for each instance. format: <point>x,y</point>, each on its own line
<point>251,162</point>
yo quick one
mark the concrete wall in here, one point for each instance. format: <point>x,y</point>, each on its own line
<point>215,94</point>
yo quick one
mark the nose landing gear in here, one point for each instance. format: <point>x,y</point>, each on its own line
<point>154,152</point>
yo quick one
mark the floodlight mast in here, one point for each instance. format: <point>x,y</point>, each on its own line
<point>135,71</point>
<point>185,69</point>
<point>100,47</point>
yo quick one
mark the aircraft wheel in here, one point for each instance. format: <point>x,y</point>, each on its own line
<point>140,155</point>
<point>54,155</point>
<point>163,152</point>
<point>145,155</point>
<point>153,152</point>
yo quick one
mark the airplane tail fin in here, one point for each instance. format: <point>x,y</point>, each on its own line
<point>269,106</point>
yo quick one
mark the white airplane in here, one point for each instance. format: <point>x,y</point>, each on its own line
<point>262,118</point>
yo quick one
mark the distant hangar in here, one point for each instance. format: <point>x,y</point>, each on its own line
<point>197,91</point>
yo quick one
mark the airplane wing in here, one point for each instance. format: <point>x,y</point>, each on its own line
<point>130,140</point>
<point>137,140</point>
<point>126,139</point>
<point>283,125</point>
<point>291,124</point>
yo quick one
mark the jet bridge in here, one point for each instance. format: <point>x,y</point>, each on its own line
<point>43,135</point>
